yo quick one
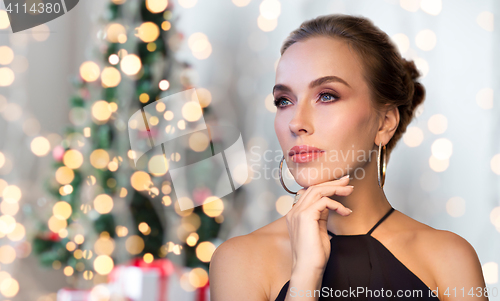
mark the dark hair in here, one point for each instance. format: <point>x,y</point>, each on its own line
<point>391,78</point>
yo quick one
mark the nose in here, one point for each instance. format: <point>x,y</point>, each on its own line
<point>301,122</point>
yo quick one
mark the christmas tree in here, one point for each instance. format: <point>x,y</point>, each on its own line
<point>103,204</point>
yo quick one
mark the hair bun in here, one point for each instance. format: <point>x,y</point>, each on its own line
<point>416,89</point>
<point>411,68</point>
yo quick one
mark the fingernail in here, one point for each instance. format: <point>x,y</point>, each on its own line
<point>349,210</point>
<point>346,176</point>
<point>350,186</point>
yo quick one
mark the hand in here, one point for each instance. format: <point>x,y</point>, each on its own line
<point>307,221</point>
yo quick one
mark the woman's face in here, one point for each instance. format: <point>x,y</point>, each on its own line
<point>323,101</point>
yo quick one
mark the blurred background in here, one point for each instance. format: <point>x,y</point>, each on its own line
<point>81,221</point>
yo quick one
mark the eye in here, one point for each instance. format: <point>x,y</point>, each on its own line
<point>332,97</point>
<point>277,102</point>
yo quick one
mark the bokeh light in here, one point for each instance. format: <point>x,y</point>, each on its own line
<point>204,251</point>
<point>121,231</point>
<point>9,287</point>
<point>9,208</point>
<point>6,77</point>
<point>11,193</point>
<point>213,206</point>
<point>18,233</point>
<point>485,20</point>
<point>110,77</point>
<point>156,6</point>
<point>148,32</point>
<point>68,271</point>
<point>101,110</point>
<point>191,111</point>
<point>442,149</point>
<point>73,158</point>
<point>187,3</point>
<point>99,158</point>
<point>148,258</point>
<point>426,39</point>
<point>410,5</point>
<point>484,98</point>
<point>103,203</point>
<point>495,217</point>
<point>270,9</point>
<point>200,45</point>
<point>114,31</point>
<point>204,97</point>
<point>266,25</point>
<point>164,85</point>
<point>12,111</point>
<point>64,175</point>
<point>4,19</point>
<point>432,7</point>
<point>6,55</point>
<point>490,272</point>
<point>241,3</point>
<point>104,245</point>
<point>40,146</point>
<point>198,141</point>
<point>438,165</point>
<point>7,254</point>
<point>495,164</point>
<point>134,244</point>
<point>55,225</point>
<point>413,136</point>
<point>140,181</point>
<point>131,64</point>
<point>455,206</point>
<point>437,124</point>
<point>62,210</point>
<point>89,71</point>
<point>103,264</point>
<point>198,277</point>
<point>402,42</point>
<point>422,66</point>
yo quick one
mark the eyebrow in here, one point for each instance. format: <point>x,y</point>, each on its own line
<point>314,83</point>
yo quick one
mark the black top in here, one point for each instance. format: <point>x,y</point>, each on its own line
<point>362,268</point>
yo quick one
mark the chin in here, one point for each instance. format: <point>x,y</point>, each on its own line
<point>309,181</point>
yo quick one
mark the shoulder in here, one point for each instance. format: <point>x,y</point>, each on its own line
<point>451,252</point>
<point>453,262</point>
<point>445,259</point>
<point>443,245</point>
<point>240,266</point>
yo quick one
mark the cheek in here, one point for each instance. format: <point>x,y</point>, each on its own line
<point>363,127</point>
<point>351,125</point>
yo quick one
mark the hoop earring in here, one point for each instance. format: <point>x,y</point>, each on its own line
<point>381,171</point>
<point>283,183</point>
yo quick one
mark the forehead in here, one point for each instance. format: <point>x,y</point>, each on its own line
<point>315,57</point>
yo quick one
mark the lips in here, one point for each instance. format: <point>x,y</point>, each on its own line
<point>299,149</point>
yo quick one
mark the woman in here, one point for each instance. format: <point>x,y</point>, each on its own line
<point>342,92</point>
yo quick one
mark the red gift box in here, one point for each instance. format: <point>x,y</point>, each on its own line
<point>162,267</point>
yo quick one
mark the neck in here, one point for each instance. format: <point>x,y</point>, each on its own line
<point>367,202</point>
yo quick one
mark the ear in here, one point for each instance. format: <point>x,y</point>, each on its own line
<point>388,124</point>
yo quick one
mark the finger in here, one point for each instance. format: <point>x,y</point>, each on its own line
<point>341,181</point>
<point>326,202</point>
<point>304,192</point>
<point>317,192</point>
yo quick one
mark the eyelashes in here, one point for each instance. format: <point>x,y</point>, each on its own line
<point>277,101</point>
